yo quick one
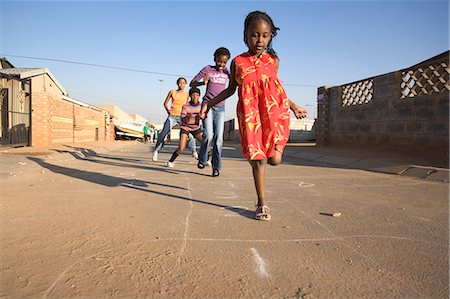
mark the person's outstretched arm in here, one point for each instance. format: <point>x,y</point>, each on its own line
<point>201,75</point>
<point>298,111</point>
<point>225,94</point>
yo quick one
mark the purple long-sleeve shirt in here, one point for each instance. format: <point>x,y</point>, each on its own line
<point>216,84</point>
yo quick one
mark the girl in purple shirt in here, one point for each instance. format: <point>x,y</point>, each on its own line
<point>215,78</point>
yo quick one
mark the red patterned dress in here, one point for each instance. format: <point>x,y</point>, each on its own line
<point>263,107</point>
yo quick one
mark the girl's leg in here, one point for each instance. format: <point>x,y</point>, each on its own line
<point>199,136</point>
<point>182,144</point>
<point>180,149</point>
<point>191,144</point>
<point>259,177</point>
<point>206,140</point>
<point>191,141</point>
<point>217,142</point>
<point>276,159</point>
<point>165,130</point>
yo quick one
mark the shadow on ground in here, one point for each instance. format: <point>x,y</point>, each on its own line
<point>112,181</point>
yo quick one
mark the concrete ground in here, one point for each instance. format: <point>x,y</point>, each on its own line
<point>104,221</point>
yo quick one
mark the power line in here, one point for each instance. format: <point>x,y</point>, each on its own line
<point>94,65</point>
<point>127,69</point>
<point>96,97</point>
<point>114,101</point>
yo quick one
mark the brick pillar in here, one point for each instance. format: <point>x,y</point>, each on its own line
<point>323,109</point>
<point>40,124</point>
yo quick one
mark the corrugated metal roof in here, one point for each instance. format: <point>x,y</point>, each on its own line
<point>5,64</point>
<point>22,73</point>
<point>78,102</point>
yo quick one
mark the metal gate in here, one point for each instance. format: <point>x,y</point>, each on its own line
<point>15,111</point>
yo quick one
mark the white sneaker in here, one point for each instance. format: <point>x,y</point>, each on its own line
<point>170,164</point>
<point>155,156</point>
<point>195,155</point>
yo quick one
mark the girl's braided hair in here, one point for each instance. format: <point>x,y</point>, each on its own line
<point>222,51</point>
<point>256,15</point>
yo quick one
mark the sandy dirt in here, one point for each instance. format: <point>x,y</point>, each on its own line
<point>107,222</point>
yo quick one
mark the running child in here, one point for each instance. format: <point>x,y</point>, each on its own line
<point>263,106</point>
<point>177,98</point>
<point>190,123</point>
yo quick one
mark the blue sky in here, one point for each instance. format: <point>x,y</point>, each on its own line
<point>320,43</point>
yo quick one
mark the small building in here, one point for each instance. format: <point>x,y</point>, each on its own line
<point>117,115</point>
<point>36,110</point>
<point>137,117</point>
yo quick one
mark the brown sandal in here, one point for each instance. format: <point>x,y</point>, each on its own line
<point>262,213</point>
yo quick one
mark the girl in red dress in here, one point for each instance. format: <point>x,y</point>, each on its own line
<point>263,107</point>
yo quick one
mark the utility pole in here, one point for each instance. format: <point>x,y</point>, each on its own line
<point>162,102</point>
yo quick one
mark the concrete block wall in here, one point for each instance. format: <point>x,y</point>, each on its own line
<point>323,115</point>
<point>414,124</point>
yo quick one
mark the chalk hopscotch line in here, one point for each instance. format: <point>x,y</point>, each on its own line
<point>188,216</point>
<point>52,286</point>
<point>225,194</point>
<point>305,185</point>
<point>261,265</point>
<point>300,240</point>
<point>186,239</point>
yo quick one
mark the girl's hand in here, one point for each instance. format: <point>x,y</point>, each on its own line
<point>206,79</point>
<point>204,111</point>
<point>298,111</point>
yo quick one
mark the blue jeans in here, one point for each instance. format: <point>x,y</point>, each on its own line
<point>213,137</point>
<point>168,125</point>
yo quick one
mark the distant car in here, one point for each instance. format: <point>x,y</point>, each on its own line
<point>130,130</point>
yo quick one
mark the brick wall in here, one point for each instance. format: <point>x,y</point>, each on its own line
<point>388,112</point>
<point>57,120</point>
<point>89,125</point>
<point>61,121</point>
<point>40,119</point>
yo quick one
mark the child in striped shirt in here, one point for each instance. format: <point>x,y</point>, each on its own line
<point>190,123</point>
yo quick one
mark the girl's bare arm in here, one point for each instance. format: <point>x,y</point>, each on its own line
<point>225,94</point>
<point>166,102</point>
